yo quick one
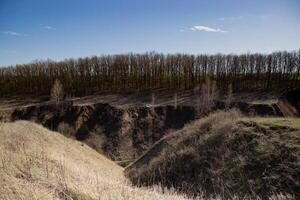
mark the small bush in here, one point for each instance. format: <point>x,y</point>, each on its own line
<point>66,129</point>
<point>57,92</point>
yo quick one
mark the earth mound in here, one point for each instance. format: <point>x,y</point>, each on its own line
<point>227,155</point>
<point>40,164</point>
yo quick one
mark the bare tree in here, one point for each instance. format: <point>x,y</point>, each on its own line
<point>153,99</point>
<point>208,95</point>
<point>228,98</point>
<point>148,71</point>
<point>213,93</point>
<point>175,100</point>
<point>57,92</point>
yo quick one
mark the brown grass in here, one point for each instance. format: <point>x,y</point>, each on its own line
<point>227,155</point>
<point>40,164</point>
<point>36,163</point>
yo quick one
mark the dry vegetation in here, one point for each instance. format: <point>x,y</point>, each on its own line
<point>57,92</point>
<point>40,164</point>
<point>140,72</point>
<point>226,155</point>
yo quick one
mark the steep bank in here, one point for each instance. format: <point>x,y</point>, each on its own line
<point>40,164</point>
<point>125,132</point>
<point>289,103</point>
<point>118,133</point>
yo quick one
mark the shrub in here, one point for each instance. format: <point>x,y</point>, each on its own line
<point>57,92</point>
<point>66,129</point>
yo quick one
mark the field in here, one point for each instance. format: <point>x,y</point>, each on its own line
<point>149,100</point>
<point>151,145</point>
<point>167,136</point>
<point>40,164</point>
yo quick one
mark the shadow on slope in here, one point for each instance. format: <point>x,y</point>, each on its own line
<point>289,103</point>
<point>118,133</point>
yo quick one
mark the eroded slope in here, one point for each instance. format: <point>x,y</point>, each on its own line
<point>226,155</point>
<point>40,164</point>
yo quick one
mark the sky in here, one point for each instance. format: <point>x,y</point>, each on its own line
<point>33,30</point>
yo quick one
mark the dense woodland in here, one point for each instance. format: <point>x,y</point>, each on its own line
<point>140,72</point>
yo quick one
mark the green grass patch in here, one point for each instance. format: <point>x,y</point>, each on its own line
<point>124,163</point>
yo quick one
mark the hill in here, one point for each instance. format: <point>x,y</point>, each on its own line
<point>227,155</point>
<point>122,131</point>
<point>40,164</point>
<point>120,134</point>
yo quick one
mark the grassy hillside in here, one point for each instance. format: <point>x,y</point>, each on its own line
<point>40,164</point>
<point>227,155</point>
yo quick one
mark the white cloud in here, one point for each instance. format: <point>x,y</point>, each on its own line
<point>49,28</point>
<point>11,33</point>
<point>207,29</point>
<point>237,18</point>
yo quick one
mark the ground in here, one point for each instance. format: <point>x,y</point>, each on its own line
<point>161,97</point>
<point>40,164</point>
<point>227,154</point>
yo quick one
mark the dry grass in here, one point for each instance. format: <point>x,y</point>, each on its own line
<point>36,163</point>
<point>40,164</point>
<point>228,155</point>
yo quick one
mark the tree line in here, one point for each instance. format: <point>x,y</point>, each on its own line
<point>150,71</point>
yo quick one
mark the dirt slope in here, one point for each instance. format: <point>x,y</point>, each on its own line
<point>118,133</point>
<point>122,133</point>
<point>289,103</point>
<point>227,155</point>
<point>40,164</point>
<point>126,127</point>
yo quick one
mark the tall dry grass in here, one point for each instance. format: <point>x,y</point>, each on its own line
<point>36,163</point>
<point>208,157</point>
<point>40,164</point>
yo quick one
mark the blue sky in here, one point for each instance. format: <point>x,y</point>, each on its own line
<point>58,29</point>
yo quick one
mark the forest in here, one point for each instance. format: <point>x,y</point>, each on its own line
<point>150,71</point>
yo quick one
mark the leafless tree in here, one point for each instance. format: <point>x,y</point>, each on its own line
<point>175,100</point>
<point>153,99</point>
<point>150,70</point>
<point>208,95</point>
<point>57,92</point>
<point>228,97</point>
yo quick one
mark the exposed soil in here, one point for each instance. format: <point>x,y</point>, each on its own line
<point>118,133</point>
<point>289,103</point>
<point>130,124</point>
